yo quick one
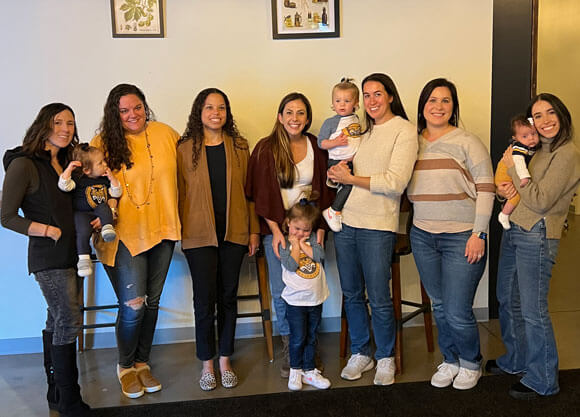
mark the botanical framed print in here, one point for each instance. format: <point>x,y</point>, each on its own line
<point>137,18</point>
<point>303,19</point>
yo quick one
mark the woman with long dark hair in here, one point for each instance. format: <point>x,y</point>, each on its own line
<point>529,248</point>
<point>31,184</point>
<point>364,248</point>
<point>142,154</point>
<point>452,192</point>
<point>284,167</point>
<point>219,225</point>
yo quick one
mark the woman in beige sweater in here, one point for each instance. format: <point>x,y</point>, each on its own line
<point>364,248</point>
<point>218,225</point>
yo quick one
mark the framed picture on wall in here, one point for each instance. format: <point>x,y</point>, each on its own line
<point>137,18</point>
<point>303,19</point>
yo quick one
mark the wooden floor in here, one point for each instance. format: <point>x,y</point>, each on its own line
<point>22,381</point>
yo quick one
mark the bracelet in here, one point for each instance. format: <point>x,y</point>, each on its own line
<point>46,231</point>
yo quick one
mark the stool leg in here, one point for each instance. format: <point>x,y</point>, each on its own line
<point>427,319</point>
<point>396,294</point>
<point>81,299</point>
<point>264,290</point>
<point>343,332</point>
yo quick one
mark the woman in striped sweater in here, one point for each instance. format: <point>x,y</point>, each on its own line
<point>452,192</point>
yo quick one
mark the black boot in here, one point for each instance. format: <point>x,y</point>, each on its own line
<point>64,361</point>
<point>52,393</point>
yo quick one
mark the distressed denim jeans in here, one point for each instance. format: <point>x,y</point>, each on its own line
<point>133,277</point>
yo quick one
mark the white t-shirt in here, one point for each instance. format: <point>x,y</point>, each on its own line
<point>307,285</point>
<point>303,180</point>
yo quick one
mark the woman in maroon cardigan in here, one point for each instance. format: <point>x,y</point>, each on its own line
<point>284,167</point>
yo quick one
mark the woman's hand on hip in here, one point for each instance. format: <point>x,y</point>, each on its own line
<point>474,249</point>
<point>253,244</point>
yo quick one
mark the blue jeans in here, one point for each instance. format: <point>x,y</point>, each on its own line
<point>450,282</point>
<point>134,277</point>
<point>60,288</point>
<point>523,281</point>
<point>364,260</point>
<point>304,322</point>
<point>276,286</point>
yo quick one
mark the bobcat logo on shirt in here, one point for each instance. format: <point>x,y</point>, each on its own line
<point>307,269</point>
<point>352,130</point>
<point>96,194</point>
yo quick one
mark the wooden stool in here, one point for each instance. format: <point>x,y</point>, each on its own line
<point>264,297</point>
<point>402,247</point>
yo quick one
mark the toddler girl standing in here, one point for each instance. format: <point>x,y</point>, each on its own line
<point>305,291</point>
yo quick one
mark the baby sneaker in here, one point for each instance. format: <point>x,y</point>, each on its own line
<point>333,219</point>
<point>315,379</point>
<point>295,379</point>
<point>108,233</point>
<point>84,266</point>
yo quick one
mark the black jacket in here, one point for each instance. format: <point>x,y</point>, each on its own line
<point>45,204</point>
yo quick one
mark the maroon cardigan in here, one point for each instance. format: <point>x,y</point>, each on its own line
<point>263,188</point>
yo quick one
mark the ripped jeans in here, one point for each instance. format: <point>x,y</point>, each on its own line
<point>138,282</point>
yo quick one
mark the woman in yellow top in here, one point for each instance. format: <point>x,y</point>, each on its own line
<point>142,154</point>
<point>219,225</point>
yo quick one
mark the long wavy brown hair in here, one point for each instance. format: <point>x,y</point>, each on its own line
<point>42,127</point>
<point>280,142</point>
<point>111,129</point>
<point>194,128</point>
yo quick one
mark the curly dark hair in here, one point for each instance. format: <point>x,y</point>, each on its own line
<point>42,127</point>
<point>194,128</point>
<point>111,129</point>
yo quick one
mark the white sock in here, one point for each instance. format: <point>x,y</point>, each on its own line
<point>504,220</point>
<point>81,257</point>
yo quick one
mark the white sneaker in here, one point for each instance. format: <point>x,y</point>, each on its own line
<point>385,374</point>
<point>446,373</point>
<point>504,220</point>
<point>108,233</point>
<point>333,220</point>
<point>315,379</point>
<point>84,267</point>
<point>466,378</point>
<point>295,379</point>
<point>357,364</point>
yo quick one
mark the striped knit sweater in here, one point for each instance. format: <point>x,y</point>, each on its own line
<point>452,187</point>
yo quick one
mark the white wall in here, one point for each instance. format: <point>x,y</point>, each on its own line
<point>62,50</point>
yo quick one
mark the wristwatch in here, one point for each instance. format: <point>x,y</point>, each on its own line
<point>481,235</point>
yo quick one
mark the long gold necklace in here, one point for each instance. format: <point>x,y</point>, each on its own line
<point>150,188</point>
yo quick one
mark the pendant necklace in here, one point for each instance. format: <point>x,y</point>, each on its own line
<point>150,188</point>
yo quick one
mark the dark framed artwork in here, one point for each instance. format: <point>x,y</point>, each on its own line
<point>137,18</point>
<point>304,19</point>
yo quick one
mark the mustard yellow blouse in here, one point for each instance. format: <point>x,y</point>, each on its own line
<point>148,209</point>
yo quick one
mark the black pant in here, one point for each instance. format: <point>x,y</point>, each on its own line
<point>343,189</point>
<point>215,273</point>
<point>83,226</point>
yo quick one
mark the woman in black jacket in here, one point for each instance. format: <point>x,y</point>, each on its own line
<point>30,184</point>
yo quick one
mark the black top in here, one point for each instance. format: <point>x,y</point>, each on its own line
<point>216,166</point>
<point>32,185</point>
<point>90,192</point>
